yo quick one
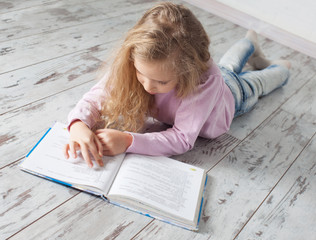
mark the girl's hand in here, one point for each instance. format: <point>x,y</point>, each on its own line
<point>114,142</point>
<point>82,138</point>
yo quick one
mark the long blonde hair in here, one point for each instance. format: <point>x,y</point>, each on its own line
<point>167,32</point>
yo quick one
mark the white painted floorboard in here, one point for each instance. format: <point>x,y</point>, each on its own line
<point>261,173</point>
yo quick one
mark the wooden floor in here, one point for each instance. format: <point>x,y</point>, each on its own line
<point>262,173</point>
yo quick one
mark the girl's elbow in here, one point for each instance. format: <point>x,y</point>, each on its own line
<point>185,147</point>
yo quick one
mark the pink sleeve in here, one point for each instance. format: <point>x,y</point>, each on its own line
<point>190,117</point>
<point>89,107</point>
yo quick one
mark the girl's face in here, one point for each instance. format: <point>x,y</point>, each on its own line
<point>154,76</point>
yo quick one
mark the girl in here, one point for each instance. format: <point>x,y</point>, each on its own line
<point>164,70</point>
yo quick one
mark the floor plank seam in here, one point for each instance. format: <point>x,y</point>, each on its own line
<point>51,31</point>
<point>48,212</point>
<point>13,163</point>
<point>142,229</point>
<point>294,93</point>
<point>53,58</point>
<point>276,184</point>
<point>126,13</point>
<point>67,27</point>
<point>21,9</point>
<point>45,3</point>
<point>225,155</point>
<point>48,96</point>
<point>303,85</point>
<point>69,67</point>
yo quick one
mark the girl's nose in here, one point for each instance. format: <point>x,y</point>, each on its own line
<point>149,86</point>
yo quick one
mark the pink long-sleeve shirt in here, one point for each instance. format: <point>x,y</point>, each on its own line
<point>208,113</point>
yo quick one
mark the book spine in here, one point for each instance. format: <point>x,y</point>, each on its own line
<point>202,201</point>
<point>38,142</point>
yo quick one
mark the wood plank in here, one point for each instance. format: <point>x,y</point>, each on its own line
<point>122,7</point>
<point>32,83</point>
<point>25,198</point>
<point>54,15</point>
<point>18,5</point>
<point>303,104</point>
<point>9,6</point>
<point>159,230</point>
<point>208,152</point>
<point>289,212</point>
<point>243,179</point>
<point>86,217</point>
<point>31,50</point>
<point>42,18</point>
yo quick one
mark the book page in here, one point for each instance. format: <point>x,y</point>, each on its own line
<point>47,159</point>
<point>161,183</point>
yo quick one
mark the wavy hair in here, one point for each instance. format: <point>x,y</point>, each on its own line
<point>167,33</point>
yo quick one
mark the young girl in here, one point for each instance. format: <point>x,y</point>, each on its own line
<point>164,70</point>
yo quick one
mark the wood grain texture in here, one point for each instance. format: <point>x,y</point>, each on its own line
<point>85,217</point>
<point>302,104</point>
<point>289,210</point>
<point>261,173</point>
<point>50,17</point>
<point>10,6</point>
<point>30,50</point>
<point>25,198</point>
<point>33,83</point>
<point>208,152</point>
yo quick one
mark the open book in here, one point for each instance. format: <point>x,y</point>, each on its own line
<point>158,187</point>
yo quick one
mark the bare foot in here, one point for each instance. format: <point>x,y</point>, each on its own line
<point>258,60</point>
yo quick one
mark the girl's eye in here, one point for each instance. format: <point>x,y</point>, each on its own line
<point>162,83</point>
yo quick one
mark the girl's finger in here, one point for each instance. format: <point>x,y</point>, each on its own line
<point>66,149</point>
<point>86,155</point>
<point>99,146</point>
<point>72,148</point>
<point>99,131</point>
<point>95,153</point>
